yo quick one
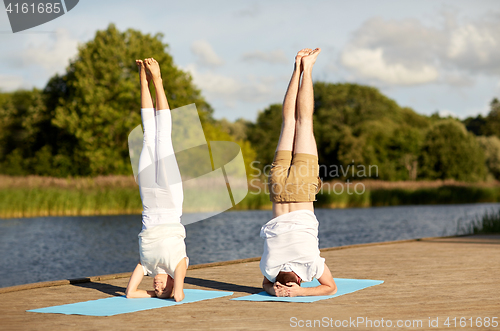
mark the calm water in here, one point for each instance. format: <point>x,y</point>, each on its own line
<point>53,248</point>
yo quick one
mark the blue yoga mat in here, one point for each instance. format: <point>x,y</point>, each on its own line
<point>344,286</point>
<point>121,305</point>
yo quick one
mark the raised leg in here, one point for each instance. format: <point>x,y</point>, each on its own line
<point>288,124</point>
<point>147,158</point>
<point>304,136</point>
<point>167,170</point>
<point>287,135</point>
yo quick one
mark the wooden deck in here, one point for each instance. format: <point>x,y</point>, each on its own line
<point>425,280</point>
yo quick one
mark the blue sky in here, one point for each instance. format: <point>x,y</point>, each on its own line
<point>428,55</point>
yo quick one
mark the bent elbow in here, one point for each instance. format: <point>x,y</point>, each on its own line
<point>179,298</point>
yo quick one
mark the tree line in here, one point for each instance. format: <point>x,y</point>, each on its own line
<point>78,124</point>
<point>357,127</point>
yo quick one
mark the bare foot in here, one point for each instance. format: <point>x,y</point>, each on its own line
<point>309,60</point>
<point>153,67</point>
<point>303,52</point>
<point>143,73</point>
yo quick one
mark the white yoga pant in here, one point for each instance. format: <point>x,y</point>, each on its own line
<point>160,181</point>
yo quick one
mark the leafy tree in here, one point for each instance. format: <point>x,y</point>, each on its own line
<point>404,150</point>
<point>350,148</point>
<point>354,127</point>
<point>98,99</point>
<point>79,124</point>
<point>7,111</point>
<point>264,134</point>
<point>237,130</point>
<point>450,152</point>
<point>492,123</point>
<point>485,126</point>
<point>491,148</point>
<point>215,131</point>
<point>377,135</point>
<point>476,125</point>
<point>354,124</point>
<point>22,113</point>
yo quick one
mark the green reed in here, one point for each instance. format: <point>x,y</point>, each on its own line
<point>44,196</point>
<point>31,202</point>
<point>488,223</point>
<point>433,196</point>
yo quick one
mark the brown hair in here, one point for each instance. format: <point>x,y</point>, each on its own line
<point>285,277</point>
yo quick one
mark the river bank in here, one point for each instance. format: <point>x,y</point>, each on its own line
<point>34,196</point>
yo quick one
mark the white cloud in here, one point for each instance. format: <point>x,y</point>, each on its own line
<point>370,63</point>
<point>52,51</point>
<point>406,52</point>
<point>10,83</point>
<point>476,47</point>
<point>213,83</point>
<point>273,57</point>
<point>205,54</point>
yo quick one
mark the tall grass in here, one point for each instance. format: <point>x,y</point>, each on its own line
<point>433,196</point>
<point>254,200</point>
<point>488,223</point>
<point>22,202</point>
<point>343,199</point>
<point>388,194</point>
<point>45,196</point>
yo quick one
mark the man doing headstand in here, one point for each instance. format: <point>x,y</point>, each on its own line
<point>291,252</point>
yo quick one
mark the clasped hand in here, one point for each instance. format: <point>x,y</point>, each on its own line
<point>289,290</point>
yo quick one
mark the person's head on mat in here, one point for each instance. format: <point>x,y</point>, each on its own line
<point>287,277</point>
<point>163,285</point>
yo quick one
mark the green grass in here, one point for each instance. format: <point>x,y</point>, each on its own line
<point>254,200</point>
<point>24,202</point>
<point>488,223</point>
<point>396,197</point>
<point>116,196</point>
<point>434,196</point>
<point>342,199</point>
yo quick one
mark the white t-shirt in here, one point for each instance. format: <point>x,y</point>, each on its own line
<point>291,244</point>
<point>161,248</point>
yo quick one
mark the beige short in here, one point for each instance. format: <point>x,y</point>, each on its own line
<point>294,179</point>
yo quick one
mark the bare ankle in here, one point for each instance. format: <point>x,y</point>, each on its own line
<point>308,69</point>
<point>158,81</point>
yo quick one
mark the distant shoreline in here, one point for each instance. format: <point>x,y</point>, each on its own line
<point>36,196</point>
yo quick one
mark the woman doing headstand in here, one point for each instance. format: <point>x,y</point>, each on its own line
<point>161,242</point>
